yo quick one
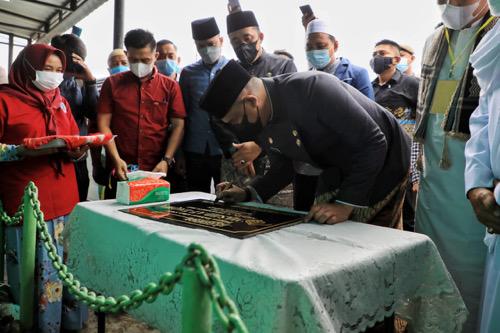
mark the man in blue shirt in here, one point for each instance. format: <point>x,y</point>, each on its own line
<point>320,50</point>
<point>321,47</point>
<point>202,151</point>
<point>168,62</point>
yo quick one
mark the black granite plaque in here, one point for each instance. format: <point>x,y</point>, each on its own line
<point>236,221</point>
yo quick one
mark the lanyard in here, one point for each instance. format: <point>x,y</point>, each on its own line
<point>455,60</point>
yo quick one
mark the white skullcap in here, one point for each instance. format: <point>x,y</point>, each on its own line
<point>318,25</point>
<point>116,52</point>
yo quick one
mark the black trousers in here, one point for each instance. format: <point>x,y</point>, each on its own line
<point>409,209</point>
<point>82,179</point>
<point>178,183</point>
<point>304,191</point>
<point>201,169</point>
<point>110,189</point>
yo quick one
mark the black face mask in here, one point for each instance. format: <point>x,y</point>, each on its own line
<point>247,131</point>
<point>247,53</point>
<point>380,64</point>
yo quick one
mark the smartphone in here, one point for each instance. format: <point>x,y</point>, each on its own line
<point>76,31</point>
<point>306,10</point>
<point>233,6</point>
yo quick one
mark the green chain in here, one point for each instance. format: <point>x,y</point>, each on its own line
<point>9,221</point>
<point>197,257</point>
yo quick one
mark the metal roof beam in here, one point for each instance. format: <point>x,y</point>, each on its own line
<point>54,20</point>
<point>24,17</point>
<point>2,32</point>
<point>83,8</point>
<point>59,15</point>
<point>72,4</point>
<point>16,26</point>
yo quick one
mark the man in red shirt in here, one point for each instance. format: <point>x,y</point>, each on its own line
<point>144,109</point>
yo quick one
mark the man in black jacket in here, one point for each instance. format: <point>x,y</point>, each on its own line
<point>82,98</point>
<point>315,118</point>
<point>398,93</point>
<point>246,39</point>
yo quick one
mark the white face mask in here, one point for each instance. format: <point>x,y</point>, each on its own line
<point>494,7</point>
<point>457,17</point>
<point>210,54</point>
<point>141,69</point>
<point>47,81</point>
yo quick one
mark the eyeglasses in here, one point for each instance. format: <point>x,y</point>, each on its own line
<point>442,2</point>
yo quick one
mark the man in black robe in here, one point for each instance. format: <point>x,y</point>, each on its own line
<point>315,118</point>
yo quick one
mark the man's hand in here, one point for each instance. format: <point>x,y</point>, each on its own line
<point>161,167</point>
<point>306,19</point>
<point>329,213</point>
<point>85,74</point>
<point>249,170</point>
<point>230,193</point>
<point>120,169</point>
<point>22,151</point>
<point>74,154</point>
<point>245,154</point>
<point>486,208</point>
<point>78,152</point>
<point>415,187</point>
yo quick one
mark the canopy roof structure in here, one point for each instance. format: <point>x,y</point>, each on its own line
<point>39,21</point>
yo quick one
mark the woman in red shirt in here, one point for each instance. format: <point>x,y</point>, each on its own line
<point>31,106</point>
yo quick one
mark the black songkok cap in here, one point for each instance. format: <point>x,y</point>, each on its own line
<point>204,28</point>
<point>224,89</point>
<point>239,20</point>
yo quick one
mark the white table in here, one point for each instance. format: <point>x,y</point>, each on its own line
<point>305,278</point>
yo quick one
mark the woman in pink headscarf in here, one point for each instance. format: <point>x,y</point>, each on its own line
<point>31,106</point>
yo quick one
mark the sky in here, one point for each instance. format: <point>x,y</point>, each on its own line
<point>357,24</point>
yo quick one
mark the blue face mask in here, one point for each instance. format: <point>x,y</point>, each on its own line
<point>118,69</point>
<point>494,7</point>
<point>319,59</point>
<point>402,66</point>
<point>167,66</point>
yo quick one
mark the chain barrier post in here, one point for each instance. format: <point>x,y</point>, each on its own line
<point>203,289</point>
<point>196,304</point>
<point>101,322</point>
<point>28,252</point>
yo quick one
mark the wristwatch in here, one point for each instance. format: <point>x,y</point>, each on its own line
<point>169,160</point>
<point>79,159</point>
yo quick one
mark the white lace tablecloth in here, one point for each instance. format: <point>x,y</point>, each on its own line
<point>305,278</point>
